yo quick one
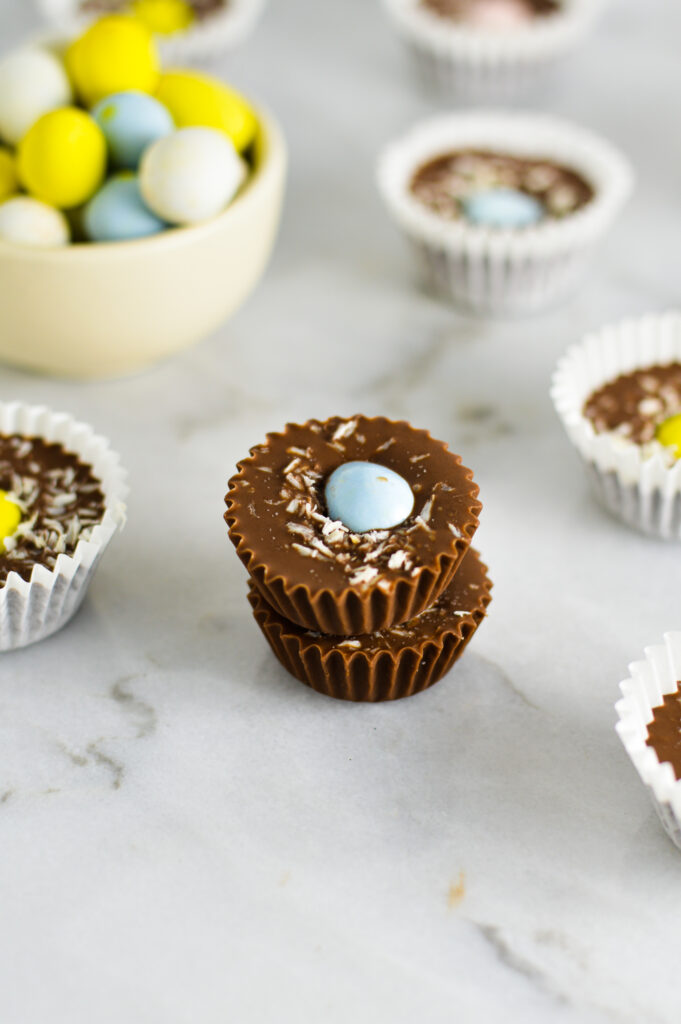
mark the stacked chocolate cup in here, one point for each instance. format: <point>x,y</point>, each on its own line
<point>365,616</point>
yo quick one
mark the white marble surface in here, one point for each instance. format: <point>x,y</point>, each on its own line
<point>188,835</point>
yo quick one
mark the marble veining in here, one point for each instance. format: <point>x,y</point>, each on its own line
<point>189,835</point>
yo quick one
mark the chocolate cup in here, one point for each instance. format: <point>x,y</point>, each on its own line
<point>320,593</point>
<point>389,665</point>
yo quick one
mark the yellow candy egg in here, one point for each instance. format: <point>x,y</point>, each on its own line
<point>116,53</point>
<point>669,434</point>
<point>164,17</point>
<point>200,101</point>
<point>9,182</point>
<point>10,517</point>
<point>62,159</point>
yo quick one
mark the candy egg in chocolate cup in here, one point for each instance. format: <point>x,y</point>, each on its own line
<point>331,574</point>
<point>503,211</point>
<point>62,500</point>
<point>489,50</point>
<point>618,394</point>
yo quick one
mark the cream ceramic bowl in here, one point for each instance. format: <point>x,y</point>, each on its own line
<point>105,310</point>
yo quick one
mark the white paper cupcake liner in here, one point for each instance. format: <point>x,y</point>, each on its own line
<point>649,682</point>
<point>32,610</point>
<point>640,485</point>
<point>494,271</point>
<point>201,43</point>
<point>457,60</point>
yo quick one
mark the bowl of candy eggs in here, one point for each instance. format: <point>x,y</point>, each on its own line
<point>138,207</point>
<point>185,30</point>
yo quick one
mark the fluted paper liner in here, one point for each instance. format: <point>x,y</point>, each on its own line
<point>636,484</point>
<point>649,682</point>
<point>351,609</point>
<point>460,60</point>
<point>31,610</point>
<point>201,42</point>
<point>331,666</point>
<point>499,271</point>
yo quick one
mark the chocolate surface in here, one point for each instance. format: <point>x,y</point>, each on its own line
<point>664,732</point>
<point>634,404</point>
<point>323,575</point>
<point>444,183</point>
<point>460,601</point>
<point>60,498</point>
<point>202,8</point>
<point>389,664</point>
<point>463,10</point>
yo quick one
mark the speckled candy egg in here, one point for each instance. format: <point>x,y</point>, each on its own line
<point>27,221</point>
<point>200,101</point>
<point>62,159</point>
<point>191,175</point>
<point>503,208</point>
<point>669,434</point>
<point>365,496</point>
<point>10,517</point>
<point>32,82</point>
<point>114,54</point>
<point>131,121</point>
<point>119,214</point>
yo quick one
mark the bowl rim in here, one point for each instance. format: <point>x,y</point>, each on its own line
<point>274,151</point>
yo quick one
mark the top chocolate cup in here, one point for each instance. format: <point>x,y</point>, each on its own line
<point>315,571</point>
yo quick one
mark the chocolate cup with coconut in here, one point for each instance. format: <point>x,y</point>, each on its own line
<point>494,270</point>
<point>68,490</point>
<point>393,663</point>
<point>315,571</point>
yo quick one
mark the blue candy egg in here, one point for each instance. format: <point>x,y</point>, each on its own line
<point>131,121</point>
<point>365,496</point>
<point>503,208</point>
<point>117,213</point>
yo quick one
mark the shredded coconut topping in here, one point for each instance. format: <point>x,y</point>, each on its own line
<point>346,429</point>
<point>362,556</point>
<point>60,504</point>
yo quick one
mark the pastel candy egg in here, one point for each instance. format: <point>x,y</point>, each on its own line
<point>62,159</point>
<point>10,517</point>
<point>9,182</point>
<point>164,17</point>
<point>669,434</point>
<point>27,221</point>
<point>32,82</point>
<point>503,208</point>
<point>118,213</point>
<point>115,54</point>
<point>191,175</point>
<point>365,496</point>
<point>131,121</point>
<point>197,100</point>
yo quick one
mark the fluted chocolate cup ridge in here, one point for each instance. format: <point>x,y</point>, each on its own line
<point>277,521</point>
<point>392,664</point>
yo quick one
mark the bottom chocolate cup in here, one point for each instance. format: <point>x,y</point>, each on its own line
<point>392,663</point>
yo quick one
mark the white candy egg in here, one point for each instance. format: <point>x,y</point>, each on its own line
<point>32,82</point>
<point>191,175</point>
<point>27,221</point>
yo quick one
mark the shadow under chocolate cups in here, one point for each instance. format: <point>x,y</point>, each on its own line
<point>390,664</point>
<point>315,571</point>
